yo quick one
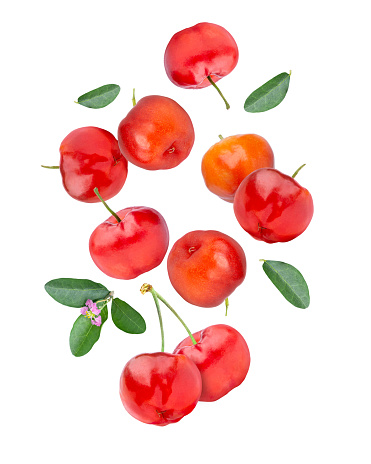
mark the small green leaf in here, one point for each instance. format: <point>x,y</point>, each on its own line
<point>126,318</point>
<point>75,292</point>
<point>100,97</point>
<point>269,94</point>
<point>84,334</point>
<point>289,282</point>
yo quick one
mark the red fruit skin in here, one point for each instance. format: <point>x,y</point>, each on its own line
<point>135,245</point>
<point>90,157</point>
<point>222,357</point>
<point>160,388</point>
<point>205,267</point>
<point>157,133</point>
<point>272,206</point>
<point>200,51</point>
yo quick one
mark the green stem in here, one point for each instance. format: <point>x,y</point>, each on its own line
<point>50,167</point>
<point>226,306</point>
<point>159,318</point>
<point>179,318</point>
<point>107,299</point>
<point>133,99</point>
<point>295,173</point>
<point>219,92</point>
<point>96,191</point>
<point>221,137</point>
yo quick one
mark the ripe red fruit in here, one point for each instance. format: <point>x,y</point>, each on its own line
<point>157,133</point>
<point>228,162</point>
<point>222,357</point>
<point>136,244</point>
<point>272,206</point>
<point>90,158</point>
<point>205,267</point>
<point>160,388</point>
<point>200,51</point>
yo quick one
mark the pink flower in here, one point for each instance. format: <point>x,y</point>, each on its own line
<point>92,312</point>
<point>97,321</point>
<point>94,309</point>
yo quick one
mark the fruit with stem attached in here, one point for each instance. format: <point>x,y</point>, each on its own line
<point>157,133</point>
<point>222,357</point>
<point>130,242</point>
<point>272,206</point>
<point>226,164</point>
<point>90,157</point>
<point>199,56</point>
<point>205,267</point>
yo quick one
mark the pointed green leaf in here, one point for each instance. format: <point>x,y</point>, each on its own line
<point>84,334</point>
<point>289,282</point>
<point>75,292</point>
<point>268,95</point>
<point>127,318</point>
<point>100,97</point>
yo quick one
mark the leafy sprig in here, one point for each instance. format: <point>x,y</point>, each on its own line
<point>92,298</point>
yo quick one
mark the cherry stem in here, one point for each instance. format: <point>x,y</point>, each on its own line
<point>160,319</point>
<point>296,172</point>
<point>179,318</point>
<point>226,306</point>
<point>219,92</point>
<point>148,288</point>
<point>96,191</point>
<point>133,99</point>
<point>221,137</point>
<point>50,167</point>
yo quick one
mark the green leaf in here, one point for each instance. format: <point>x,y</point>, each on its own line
<point>127,318</point>
<point>100,97</point>
<point>289,282</point>
<point>269,94</point>
<point>75,292</point>
<point>84,334</point>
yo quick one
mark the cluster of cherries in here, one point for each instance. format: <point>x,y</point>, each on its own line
<point>204,267</point>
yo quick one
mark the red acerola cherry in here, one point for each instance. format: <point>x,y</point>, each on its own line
<point>90,158</point>
<point>157,133</point>
<point>198,52</point>
<point>160,388</point>
<point>131,246</point>
<point>222,357</point>
<point>205,267</point>
<point>272,206</point>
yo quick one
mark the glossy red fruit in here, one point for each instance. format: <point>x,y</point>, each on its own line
<point>205,267</point>
<point>200,51</point>
<point>135,245</point>
<point>226,164</point>
<point>90,158</point>
<point>222,357</point>
<point>160,388</point>
<point>272,206</point>
<point>157,133</point>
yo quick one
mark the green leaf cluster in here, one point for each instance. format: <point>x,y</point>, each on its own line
<point>74,293</point>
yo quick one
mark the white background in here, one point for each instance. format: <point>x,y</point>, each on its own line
<point>306,398</point>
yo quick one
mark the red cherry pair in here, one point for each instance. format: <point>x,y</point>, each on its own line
<point>161,388</point>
